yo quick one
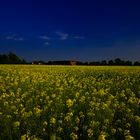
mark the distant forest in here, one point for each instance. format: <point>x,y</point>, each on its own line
<point>12,58</point>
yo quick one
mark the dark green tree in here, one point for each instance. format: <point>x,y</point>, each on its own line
<point>11,58</point>
<point>136,63</point>
<point>104,62</point>
<point>111,62</point>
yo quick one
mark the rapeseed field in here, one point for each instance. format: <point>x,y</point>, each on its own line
<point>69,102</point>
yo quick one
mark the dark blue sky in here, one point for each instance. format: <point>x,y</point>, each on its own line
<point>70,29</point>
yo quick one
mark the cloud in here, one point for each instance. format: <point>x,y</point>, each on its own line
<point>46,43</point>
<point>45,37</point>
<point>79,37</point>
<point>62,36</point>
<point>13,37</point>
<point>19,39</point>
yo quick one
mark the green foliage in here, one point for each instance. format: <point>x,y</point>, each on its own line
<point>69,103</point>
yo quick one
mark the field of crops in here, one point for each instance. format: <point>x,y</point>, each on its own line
<point>69,103</point>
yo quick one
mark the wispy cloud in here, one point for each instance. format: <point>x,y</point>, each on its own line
<point>62,36</point>
<point>47,43</point>
<point>19,39</point>
<point>13,37</point>
<point>58,35</point>
<point>10,37</point>
<point>45,37</point>
<point>78,37</point>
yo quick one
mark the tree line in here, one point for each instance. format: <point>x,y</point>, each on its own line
<point>12,58</point>
<point>115,62</point>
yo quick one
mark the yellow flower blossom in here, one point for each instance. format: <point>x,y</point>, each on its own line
<point>69,103</point>
<point>52,120</point>
<point>73,136</point>
<point>101,137</point>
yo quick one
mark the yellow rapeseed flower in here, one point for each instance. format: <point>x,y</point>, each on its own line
<point>52,120</point>
<point>69,103</point>
<point>101,137</point>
